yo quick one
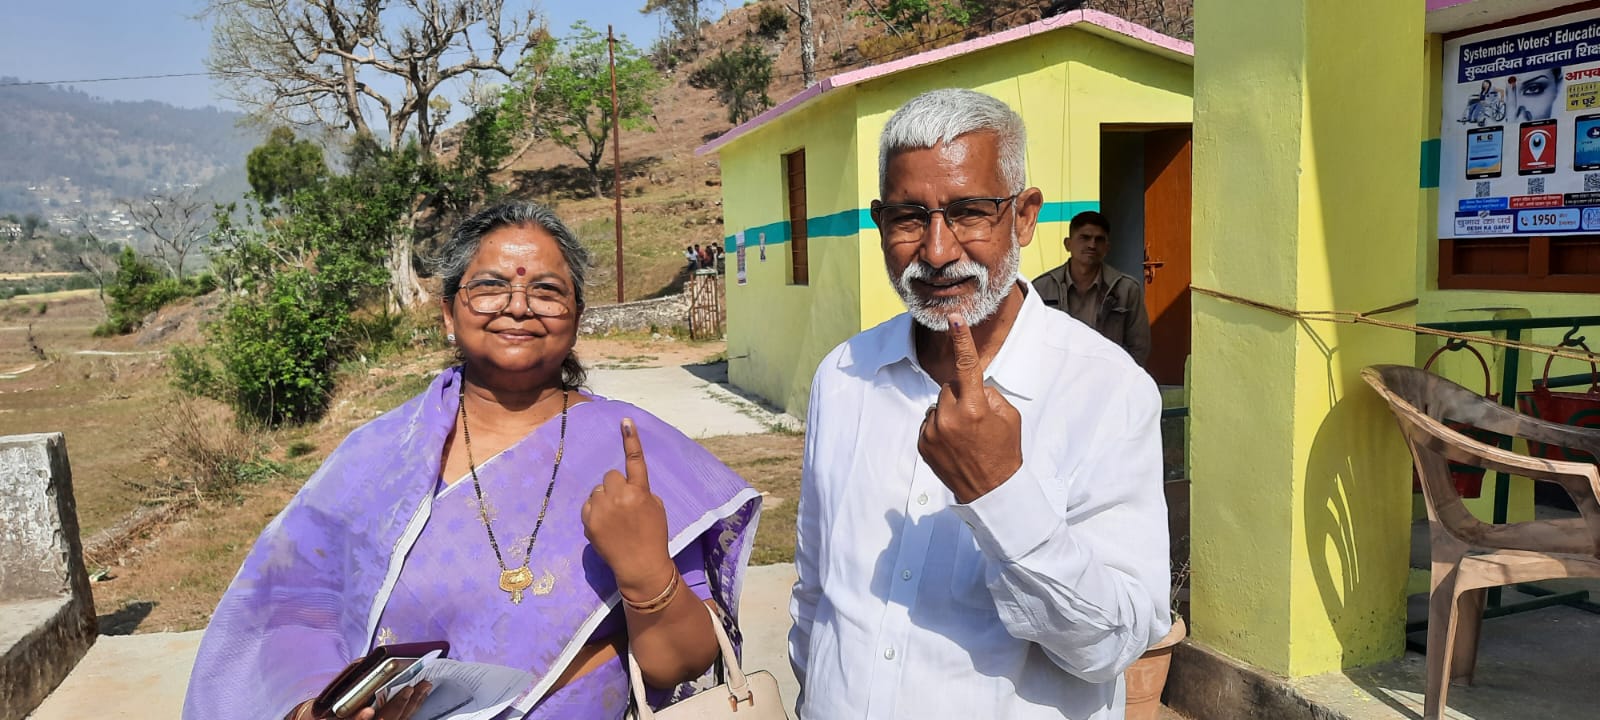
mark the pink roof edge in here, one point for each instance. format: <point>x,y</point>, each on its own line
<point>1115,27</point>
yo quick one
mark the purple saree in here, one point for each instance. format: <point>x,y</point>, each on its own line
<point>333,575</point>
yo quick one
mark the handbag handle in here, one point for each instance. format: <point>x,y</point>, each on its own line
<point>738,687</point>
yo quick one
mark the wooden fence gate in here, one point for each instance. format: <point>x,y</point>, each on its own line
<point>706,313</point>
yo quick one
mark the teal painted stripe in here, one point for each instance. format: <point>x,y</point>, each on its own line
<point>1430,163</point>
<point>1060,212</point>
<point>840,224</point>
<point>851,222</point>
<point>777,234</point>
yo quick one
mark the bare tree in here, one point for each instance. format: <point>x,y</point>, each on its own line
<point>685,17</point>
<point>322,62</point>
<point>99,267</point>
<point>326,62</point>
<point>176,222</point>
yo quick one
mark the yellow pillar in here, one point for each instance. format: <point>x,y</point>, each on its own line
<point>1305,177</point>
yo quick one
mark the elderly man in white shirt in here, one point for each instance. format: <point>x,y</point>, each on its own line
<point>982,530</point>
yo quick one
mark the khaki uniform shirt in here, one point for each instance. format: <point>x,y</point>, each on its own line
<point>1112,305</point>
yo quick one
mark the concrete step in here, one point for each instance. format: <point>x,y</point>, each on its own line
<point>126,676</point>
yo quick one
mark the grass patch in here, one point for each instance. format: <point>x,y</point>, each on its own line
<point>771,464</point>
<point>208,454</point>
<point>630,362</point>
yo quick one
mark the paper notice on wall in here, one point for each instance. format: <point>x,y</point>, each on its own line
<point>738,254</point>
<point>1519,139</point>
<point>761,240</point>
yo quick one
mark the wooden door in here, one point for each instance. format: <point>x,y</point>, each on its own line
<point>799,258</point>
<point>1167,203</point>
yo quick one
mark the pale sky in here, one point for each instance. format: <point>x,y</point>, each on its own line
<point>81,39</point>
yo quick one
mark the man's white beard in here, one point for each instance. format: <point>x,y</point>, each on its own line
<point>994,284</point>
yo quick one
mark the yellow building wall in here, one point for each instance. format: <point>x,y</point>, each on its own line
<point>778,331</point>
<point>1065,84</point>
<point>1299,515</point>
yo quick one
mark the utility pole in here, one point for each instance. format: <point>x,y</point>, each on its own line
<point>808,46</point>
<point>616,153</point>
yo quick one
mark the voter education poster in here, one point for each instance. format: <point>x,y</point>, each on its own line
<point>1519,146</point>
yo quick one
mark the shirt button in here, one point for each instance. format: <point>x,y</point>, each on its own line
<point>888,654</point>
<point>905,575</point>
<point>922,499</point>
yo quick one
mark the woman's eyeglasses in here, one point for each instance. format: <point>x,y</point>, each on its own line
<point>490,295</point>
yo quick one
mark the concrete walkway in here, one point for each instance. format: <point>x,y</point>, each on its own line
<point>144,676</point>
<point>695,399</point>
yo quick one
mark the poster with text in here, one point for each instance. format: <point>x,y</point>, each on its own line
<point>1520,137</point>
<point>738,254</point>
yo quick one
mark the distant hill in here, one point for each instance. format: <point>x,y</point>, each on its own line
<point>63,152</point>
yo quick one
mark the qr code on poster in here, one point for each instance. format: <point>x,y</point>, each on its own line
<point>1591,182</point>
<point>1483,188</point>
<point>1536,186</point>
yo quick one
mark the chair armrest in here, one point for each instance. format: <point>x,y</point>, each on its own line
<point>1498,418</point>
<point>1580,480</point>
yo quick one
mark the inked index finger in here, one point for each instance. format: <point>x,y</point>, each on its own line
<point>968,383</point>
<point>633,455</point>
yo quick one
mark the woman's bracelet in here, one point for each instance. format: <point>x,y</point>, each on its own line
<point>657,603</point>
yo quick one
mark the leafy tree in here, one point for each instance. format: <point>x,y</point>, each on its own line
<point>298,280</point>
<point>31,225</point>
<point>740,79</point>
<point>569,94</point>
<point>283,165</point>
<point>486,141</point>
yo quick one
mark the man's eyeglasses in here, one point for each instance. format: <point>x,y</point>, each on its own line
<point>969,220</point>
<point>490,295</point>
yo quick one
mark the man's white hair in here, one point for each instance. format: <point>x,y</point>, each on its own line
<point>942,116</point>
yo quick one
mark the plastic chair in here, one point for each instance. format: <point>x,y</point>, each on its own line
<point>1468,555</point>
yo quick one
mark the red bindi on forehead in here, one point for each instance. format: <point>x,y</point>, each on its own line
<point>521,270</point>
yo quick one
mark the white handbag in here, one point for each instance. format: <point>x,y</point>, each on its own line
<point>752,696</point>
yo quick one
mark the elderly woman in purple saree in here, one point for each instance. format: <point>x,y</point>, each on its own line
<point>390,541</point>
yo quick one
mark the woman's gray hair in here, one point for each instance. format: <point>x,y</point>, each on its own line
<point>452,261</point>
<point>942,116</point>
<point>450,264</point>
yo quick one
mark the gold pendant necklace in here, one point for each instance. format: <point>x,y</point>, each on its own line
<point>520,578</point>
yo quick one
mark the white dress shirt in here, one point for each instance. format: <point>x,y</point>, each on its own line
<point>1027,603</point>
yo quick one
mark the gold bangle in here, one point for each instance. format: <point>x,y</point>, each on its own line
<point>657,603</point>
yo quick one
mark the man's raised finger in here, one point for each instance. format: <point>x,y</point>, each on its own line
<point>968,382</point>
<point>633,455</point>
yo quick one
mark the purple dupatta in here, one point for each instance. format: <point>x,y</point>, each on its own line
<point>310,595</point>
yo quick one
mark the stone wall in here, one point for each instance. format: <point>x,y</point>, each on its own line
<point>47,619</point>
<point>663,313</point>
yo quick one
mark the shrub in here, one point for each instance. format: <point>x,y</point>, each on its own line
<point>209,456</point>
<point>140,288</point>
<point>920,37</point>
<point>299,278</point>
<point>771,22</point>
<point>740,79</point>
